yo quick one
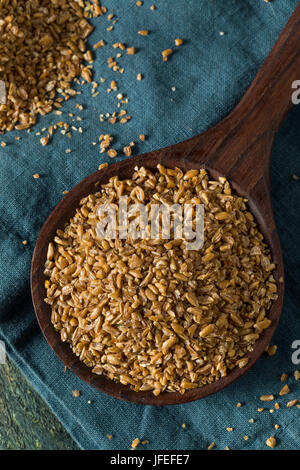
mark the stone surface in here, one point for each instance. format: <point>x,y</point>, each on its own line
<point>26,422</point>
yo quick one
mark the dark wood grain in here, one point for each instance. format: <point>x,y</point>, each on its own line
<point>238,147</point>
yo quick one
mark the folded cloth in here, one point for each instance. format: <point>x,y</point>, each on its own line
<point>224,45</point>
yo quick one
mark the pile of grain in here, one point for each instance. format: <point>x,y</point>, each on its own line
<point>150,313</point>
<point>42,49</point>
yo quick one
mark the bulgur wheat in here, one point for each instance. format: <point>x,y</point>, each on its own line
<point>150,313</point>
<point>42,49</point>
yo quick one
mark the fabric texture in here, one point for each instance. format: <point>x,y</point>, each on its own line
<point>210,73</point>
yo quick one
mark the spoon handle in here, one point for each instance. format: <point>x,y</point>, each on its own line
<point>269,97</point>
<point>240,145</point>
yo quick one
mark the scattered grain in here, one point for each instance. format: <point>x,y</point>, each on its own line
<point>135,443</point>
<point>44,141</point>
<point>271,442</point>
<point>103,165</point>
<point>112,153</point>
<point>271,350</point>
<point>127,151</point>
<point>291,403</point>
<point>131,50</point>
<point>285,390</point>
<point>143,32</point>
<point>267,397</point>
<point>166,53</point>
<point>99,44</point>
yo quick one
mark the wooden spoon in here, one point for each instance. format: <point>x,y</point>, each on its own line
<point>239,148</point>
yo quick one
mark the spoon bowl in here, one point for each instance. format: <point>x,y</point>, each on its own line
<point>239,148</point>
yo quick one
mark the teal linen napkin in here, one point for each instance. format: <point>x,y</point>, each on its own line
<point>197,87</point>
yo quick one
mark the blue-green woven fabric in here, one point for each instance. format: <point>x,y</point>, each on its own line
<point>210,73</point>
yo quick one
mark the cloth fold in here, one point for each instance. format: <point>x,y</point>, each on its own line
<point>199,84</point>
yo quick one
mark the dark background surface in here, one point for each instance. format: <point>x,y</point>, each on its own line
<point>26,421</point>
